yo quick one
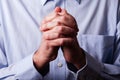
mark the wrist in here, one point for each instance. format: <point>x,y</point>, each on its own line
<point>38,61</point>
<point>41,66</point>
<point>81,60</point>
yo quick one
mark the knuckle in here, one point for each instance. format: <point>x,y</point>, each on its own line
<point>60,29</point>
<point>44,26</point>
<point>46,36</point>
<point>62,41</point>
<point>47,43</point>
<point>55,14</point>
<point>58,23</point>
<point>58,35</point>
<point>63,18</point>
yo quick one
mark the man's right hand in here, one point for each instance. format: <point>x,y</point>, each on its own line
<point>47,50</point>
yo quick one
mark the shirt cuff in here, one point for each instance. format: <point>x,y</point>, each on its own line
<point>75,74</point>
<point>91,71</point>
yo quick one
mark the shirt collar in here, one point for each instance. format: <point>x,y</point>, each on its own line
<point>44,1</point>
<point>79,1</point>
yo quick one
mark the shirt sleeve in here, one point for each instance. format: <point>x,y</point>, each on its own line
<point>100,71</point>
<point>23,69</point>
<point>95,70</point>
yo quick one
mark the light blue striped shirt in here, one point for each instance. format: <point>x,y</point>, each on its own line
<point>99,36</point>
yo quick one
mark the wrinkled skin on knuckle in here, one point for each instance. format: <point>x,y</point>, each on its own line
<point>58,23</point>
<point>58,35</point>
<point>46,36</point>
<point>60,29</point>
<point>61,42</point>
<point>63,18</point>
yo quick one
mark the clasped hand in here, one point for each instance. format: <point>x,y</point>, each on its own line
<point>59,29</point>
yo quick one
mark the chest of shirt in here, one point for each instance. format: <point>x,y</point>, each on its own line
<point>21,21</point>
<point>93,17</point>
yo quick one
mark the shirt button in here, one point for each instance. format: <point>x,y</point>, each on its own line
<point>59,64</point>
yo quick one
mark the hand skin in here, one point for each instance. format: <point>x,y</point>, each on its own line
<point>47,51</point>
<point>59,30</point>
